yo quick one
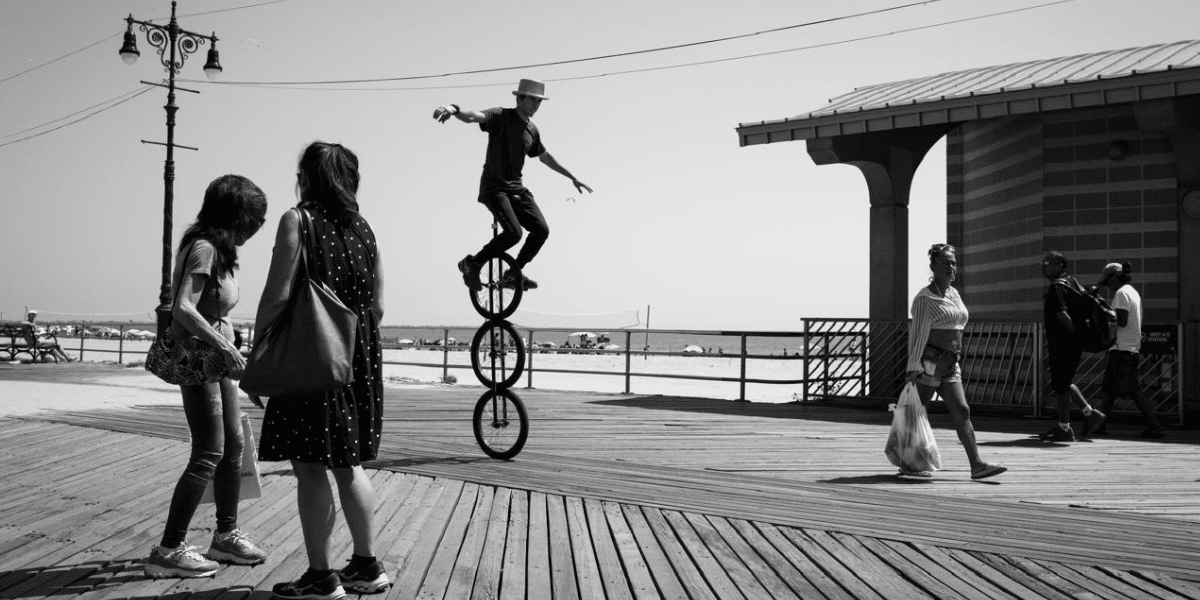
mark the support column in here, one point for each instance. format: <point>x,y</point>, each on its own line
<point>888,160</point>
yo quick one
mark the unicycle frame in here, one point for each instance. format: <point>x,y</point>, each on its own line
<point>492,416</point>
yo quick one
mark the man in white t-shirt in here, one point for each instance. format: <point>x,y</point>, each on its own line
<point>1121,373</point>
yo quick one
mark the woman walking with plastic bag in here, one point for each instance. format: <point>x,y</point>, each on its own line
<point>934,348</point>
<point>329,431</point>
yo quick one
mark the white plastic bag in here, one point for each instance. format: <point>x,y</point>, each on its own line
<point>251,482</point>
<point>910,444</point>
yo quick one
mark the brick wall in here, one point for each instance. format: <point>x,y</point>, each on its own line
<point>1017,187</point>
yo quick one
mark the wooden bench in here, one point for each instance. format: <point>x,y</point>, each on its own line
<point>14,341</point>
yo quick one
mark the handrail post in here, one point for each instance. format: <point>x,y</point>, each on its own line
<point>742,383</point>
<point>445,354</point>
<point>121,346</point>
<point>1179,362</point>
<point>529,370</point>
<point>807,357</point>
<point>628,339</point>
<point>82,334</point>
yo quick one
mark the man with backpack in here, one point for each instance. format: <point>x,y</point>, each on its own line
<point>1065,349</point>
<point>1121,371</point>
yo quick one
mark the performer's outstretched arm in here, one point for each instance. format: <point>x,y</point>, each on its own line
<point>466,115</point>
<point>548,160</point>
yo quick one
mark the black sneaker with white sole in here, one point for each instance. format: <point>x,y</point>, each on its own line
<point>365,579</point>
<point>311,586</point>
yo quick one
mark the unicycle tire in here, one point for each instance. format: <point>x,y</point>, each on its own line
<point>500,423</point>
<point>492,301</point>
<point>497,354</point>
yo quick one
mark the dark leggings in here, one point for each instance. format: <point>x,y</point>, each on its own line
<point>514,211</point>
<point>214,419</point>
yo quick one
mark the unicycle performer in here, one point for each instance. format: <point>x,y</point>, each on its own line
<point>511,137</point>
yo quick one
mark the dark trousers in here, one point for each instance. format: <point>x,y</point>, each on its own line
<point>514,210</point>
<point>214,420</point>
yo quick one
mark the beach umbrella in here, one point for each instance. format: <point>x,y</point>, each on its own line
<point>694,349</point>
<point>583,334</point>
<point>406,341</point>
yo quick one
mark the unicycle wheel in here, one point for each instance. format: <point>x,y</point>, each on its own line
<point>497,354</point>
<point>500,423</point>
<point>491,300</point>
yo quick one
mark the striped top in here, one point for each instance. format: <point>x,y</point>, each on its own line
<point>932,312</point>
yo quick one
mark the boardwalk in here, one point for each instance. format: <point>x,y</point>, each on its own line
<point>629,497</point>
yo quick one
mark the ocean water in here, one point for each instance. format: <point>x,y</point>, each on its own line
<point>654,340</point>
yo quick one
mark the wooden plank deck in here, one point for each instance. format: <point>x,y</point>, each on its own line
<point>619,497</point>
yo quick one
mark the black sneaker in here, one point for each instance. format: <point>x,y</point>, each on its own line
<point>1058,434</point>
<point>310,587</point>
<point>509,280</point>
<point>1092,422</point>
<point>470,272</point>
<point>370,579</point>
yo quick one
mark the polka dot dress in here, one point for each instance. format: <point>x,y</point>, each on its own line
<point>340,428</point>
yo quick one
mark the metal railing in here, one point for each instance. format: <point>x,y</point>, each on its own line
<point>1004,363</point>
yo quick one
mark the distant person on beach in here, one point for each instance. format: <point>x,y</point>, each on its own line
<point>935,342</point>
<point>32,337</point>
<point>1064,350</point>
<point>1121,370</point>
<point>206,288</point>
<point>511,137</point>
<point>330,431</point>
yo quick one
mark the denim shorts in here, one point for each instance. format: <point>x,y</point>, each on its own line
<point>939,366</point>
<point>1121,374</point>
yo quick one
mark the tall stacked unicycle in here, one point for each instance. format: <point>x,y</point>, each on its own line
<point>498,359</point>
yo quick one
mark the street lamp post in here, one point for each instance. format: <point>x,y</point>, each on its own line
<point>174,44</point>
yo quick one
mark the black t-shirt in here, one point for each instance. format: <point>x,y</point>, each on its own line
<point>1056,300</point>
<point>510,140</point>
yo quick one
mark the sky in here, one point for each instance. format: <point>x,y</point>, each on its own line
<point>707,234</point>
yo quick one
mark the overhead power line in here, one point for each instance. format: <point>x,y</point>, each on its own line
<point>591,58</point>
<point>122,99</point>
<point>660,67</point>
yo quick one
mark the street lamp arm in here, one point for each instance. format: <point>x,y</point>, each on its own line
<point>171,37</point>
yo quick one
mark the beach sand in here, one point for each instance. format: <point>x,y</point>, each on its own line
<point>30,388</point>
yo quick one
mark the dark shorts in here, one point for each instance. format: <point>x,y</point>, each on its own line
<point>1064,361</point>
<point>1121,374</point>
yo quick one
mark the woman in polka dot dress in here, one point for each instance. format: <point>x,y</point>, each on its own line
<point>336,430</point>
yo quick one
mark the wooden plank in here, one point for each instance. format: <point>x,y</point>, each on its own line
<point>657,563</point>
<point>780,564</point>
<point>1114,585</point>
<point>744,568</point>
<point>829,564</point>
<point>858,559</point>
<point>1012,572</point>
<point>911,569</point>
<point>462,578</point>
<point>720,581</point>
<point>640,579</point>
<point>997,577</point>
<point>423,540</point>
<point>587,566</point>
<point>689,573</point>
<point>491,561</point>
<point>562,560</point>
<point>441,565</point>
<point>513,584</point>
<point>537,566</point>
<point>608,561</point>
<point>803,563</point>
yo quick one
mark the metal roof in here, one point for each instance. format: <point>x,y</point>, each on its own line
<point>1111,77</point>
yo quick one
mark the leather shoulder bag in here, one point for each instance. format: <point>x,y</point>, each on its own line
<point>310,346</point>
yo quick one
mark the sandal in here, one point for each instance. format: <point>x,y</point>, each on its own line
<point>987,470</point>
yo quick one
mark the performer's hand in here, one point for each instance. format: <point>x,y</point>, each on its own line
<point>442,114</point>
<point>580,186</point>
<point>912,376</point>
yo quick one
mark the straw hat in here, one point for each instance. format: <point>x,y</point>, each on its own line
<point>531,88</point>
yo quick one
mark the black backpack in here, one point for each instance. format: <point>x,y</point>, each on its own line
<point>1094,320</point>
